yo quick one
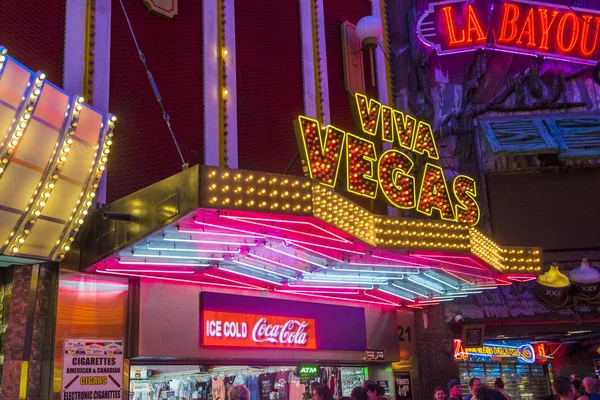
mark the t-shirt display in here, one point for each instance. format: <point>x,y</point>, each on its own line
<point>266,384</point>
<point>252,385</point>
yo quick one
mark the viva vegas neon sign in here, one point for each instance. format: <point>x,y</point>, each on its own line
<point>528,27</point>
<point>250,330</point>
<point>391,174</point>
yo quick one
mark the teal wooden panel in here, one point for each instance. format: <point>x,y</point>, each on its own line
<point>520,136</point>
<point>578,136</point>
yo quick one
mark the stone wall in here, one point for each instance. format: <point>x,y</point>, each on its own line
<point>27,341</point>
<point>574,359</point>
<point>435,350</point>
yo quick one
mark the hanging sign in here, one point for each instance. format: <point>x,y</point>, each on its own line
<point>402,382</point>
<point>389,175</point>
<point>92,369</point>
<point>523,352</point>
<point>528,27</point>
<point>252,330</point>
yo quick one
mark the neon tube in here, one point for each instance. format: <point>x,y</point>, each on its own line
<point>469,274</point>
<point>295,257</point>
<point>401,261</point>
<point>425,304</point>
<point>441,281</point>
<point>301,285</point>
<point>249,276</point>
<point>436,299</point>
<point>483,266</point>
<point>164,278</point>
<point>457,277</point>
<point>319,291</point>
<point>263,270</point>
<point>448,262</point>
<point>162,263</point>
<point>381,299</point>
<point>410,291</point>
<point>396,295</point>
<point>209,242</point>
<point>179,257</point>
<point>355,282</point>
<point>251,220</point>
<point>452,297</point>
<point>232,280</point>
<point>341,298</point>
<point>353,276</point>
<point>388,266</point>
<point>193,250</point>
<point>426,286</point>
<point>341,250</point>
<point>154,271</point>
<point>268,260</point>
<point>481,288</point>
<point>366,271</point>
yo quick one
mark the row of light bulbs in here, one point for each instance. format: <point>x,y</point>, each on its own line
<point>490,252</point>
<point>42,195</point>
<point>87,195</point>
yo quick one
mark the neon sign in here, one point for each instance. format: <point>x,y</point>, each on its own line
<point>527,27</point>
<point>391,174</point>
<point>522,352</point>
<point>251,330</point>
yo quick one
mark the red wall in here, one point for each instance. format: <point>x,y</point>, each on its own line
<point>34,33</point>
<point>269,83</point>
<point>144,152</point>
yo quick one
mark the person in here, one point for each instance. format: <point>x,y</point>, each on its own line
<point>238,392</point>
<point>562,388</point>
<point>589,388</point>
<point>455,390</point>
<point>486,393</point>
<point>383,398</point>
<point>577,386</point>
<point>322,392</point>
<point>313,386</point>
<point>474,384</point>
<point>499,385</point>
<point>373,389</point>
<point>439,394</point>
<point>360,393</point>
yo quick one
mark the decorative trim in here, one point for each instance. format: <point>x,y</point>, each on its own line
<point>307,27</point>
<point>74,46</point>
<point>321,75</point>
<point>384,83</point>
<point>163,8</point>
<point>230,124</point>
<point>212,90</point>
<point>89,50</point>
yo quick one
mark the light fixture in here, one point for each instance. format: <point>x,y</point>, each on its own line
<point>369,31</point>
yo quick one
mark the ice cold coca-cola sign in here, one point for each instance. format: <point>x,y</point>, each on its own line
<point>252,330</point>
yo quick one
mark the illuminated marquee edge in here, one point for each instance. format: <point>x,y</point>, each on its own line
<point>242,190</point>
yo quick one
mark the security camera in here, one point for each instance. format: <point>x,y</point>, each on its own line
<point>459,319</point>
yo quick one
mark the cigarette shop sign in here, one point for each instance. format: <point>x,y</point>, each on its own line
<point>251,330</point>
<point>528,27</point>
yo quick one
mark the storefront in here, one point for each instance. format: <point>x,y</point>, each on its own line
<point>275,347</point>
<point>524,373</point>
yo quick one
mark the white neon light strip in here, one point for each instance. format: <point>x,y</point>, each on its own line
<point>441,281</point>
<point>250,276</point>
<point>263,270</point>
<point>335,276</point>
<point>350,282</point>
<point>295,257</point>
<point>147,270</point>
<point>380,298</point>
<point>396,295</point>
<point>268,260</point>
<point>298,243</point>
<point>209,242</point>
<point>409,290</point>
<point>401,261</point>
<point>331,285</point>
<point>194,250</point>
<point>163,263</point>
<point>177,257</point>
<point>479,288</point>
<point>426,286</point>
<point>370,271</point>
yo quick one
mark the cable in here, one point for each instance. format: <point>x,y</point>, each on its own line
<point>166,115</point>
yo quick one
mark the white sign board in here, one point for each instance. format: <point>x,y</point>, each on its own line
<point>93,369</point>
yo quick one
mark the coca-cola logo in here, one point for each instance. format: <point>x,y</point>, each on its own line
<point>292,332</point>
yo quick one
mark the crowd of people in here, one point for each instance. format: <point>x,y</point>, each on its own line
<point>368,391</point>
<point>562,387</point>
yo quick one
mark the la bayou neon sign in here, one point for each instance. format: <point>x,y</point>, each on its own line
<point>391,172</point>
<point>527,27</point>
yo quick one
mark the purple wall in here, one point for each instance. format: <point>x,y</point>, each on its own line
<point>332,323</point>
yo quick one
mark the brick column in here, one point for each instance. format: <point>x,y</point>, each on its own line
<point>27,343</point>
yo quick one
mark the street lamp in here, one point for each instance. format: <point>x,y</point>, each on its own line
<point>369,31</point>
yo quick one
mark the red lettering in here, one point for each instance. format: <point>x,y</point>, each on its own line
<point>388,126</point>
<point>509,21</point>
<point>546,26</point>
<point>368,112</point>
<point>585,30</point>
<point>473,25</point>
<point>465,191</point>
<point>573,32</point>
<point>425,142</point>
<point>529,30</point>
<point>434,193</point>
<point>405,129</point>
<point>450,27</point>
<point>361,156</point>
<point>323,149</point>
<point>397,186</point>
